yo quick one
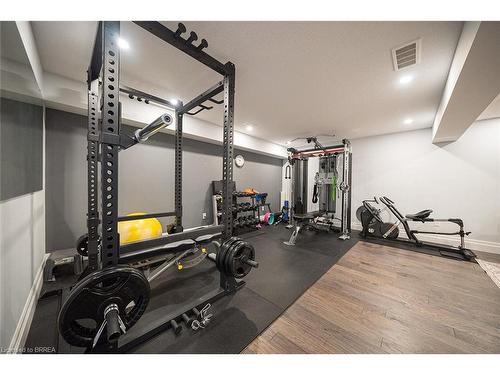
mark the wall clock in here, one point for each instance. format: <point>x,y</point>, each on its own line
<point>239,160</point>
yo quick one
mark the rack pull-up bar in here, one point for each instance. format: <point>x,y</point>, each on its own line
<point>203,97</point>
<point>161,122</point>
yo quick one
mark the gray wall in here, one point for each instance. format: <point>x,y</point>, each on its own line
<point>21,156</point>
<point>146,178</point>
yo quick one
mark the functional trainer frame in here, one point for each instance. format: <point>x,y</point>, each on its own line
<point>299,159</point>
<point>105,141</point>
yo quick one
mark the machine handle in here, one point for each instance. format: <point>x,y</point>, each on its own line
<point>288,172</point>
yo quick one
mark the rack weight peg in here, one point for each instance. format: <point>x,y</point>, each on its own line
<point>192,38</point>
<point>189,321</point>
<point>203,44</point>
<point>176,327</point>
<point>112,299</point>
<point>181,29</point>
<point>82,245</point>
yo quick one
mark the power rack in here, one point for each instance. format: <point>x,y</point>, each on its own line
<point>104,143</point>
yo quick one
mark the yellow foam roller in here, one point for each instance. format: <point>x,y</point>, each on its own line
<point>139,230</point>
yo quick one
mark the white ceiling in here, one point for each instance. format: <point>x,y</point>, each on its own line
<point>293,78</point>
<point>492,111</point>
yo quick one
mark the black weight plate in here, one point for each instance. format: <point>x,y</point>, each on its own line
<point>228,259</point>
<point>221,255</point>
<point>228,256</point>
<point>236,267</point>
<point>82,245</point>
<point>225,247</point>
<point>83,311</point>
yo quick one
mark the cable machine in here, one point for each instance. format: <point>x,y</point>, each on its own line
<point>113,294</point>
<point>331,158</point>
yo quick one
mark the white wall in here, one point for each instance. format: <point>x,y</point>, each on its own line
<point>22,219</point>
<point>459,179</point>
<point>22,255</point>
<point>22,251</point>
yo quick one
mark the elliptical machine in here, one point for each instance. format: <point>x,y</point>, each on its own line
<point>374,226</point>
<point>372,222</point>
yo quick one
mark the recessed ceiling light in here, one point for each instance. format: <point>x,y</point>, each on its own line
<point>123,44</point>
<point>249,128</point>
<point>408,121</point>
<point>405,79</point>
<point>174,101</point>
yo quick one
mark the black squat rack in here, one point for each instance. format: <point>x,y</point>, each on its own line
<point>113,294</point>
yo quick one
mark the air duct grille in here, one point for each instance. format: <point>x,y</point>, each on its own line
<point>406,55</point>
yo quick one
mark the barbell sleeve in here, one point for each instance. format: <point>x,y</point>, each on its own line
<point>141,135</point>
<point>111,314</point>
<point>250,262</point>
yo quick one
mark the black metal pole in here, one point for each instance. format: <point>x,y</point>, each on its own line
<point>110,142</point>
<point>92,168</point>
<point>227,158</point>
<point>178,169</point>
<point>226,282</point>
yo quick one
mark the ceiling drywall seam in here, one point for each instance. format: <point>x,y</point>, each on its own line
<point>26,33</point>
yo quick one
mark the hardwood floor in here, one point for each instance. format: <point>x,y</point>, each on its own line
<point>380,299</point>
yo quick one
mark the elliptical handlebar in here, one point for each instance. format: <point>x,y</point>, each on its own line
<point>386,201</point>
<point>374,211</point>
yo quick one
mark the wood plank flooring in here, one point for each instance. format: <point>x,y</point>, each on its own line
<point>380,299</point>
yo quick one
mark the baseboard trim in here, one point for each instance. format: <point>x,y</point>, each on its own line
<point>472,244</point>
<point>24,323</point>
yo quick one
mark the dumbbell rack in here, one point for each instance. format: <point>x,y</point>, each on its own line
<point>253,208</point>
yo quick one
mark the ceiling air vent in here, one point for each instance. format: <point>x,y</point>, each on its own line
<point>406,55</point>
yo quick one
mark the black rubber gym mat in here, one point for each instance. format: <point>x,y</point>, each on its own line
<point>284,274</point>
<point>237,320</point>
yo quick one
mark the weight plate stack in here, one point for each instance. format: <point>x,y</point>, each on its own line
<point>236,258</point>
